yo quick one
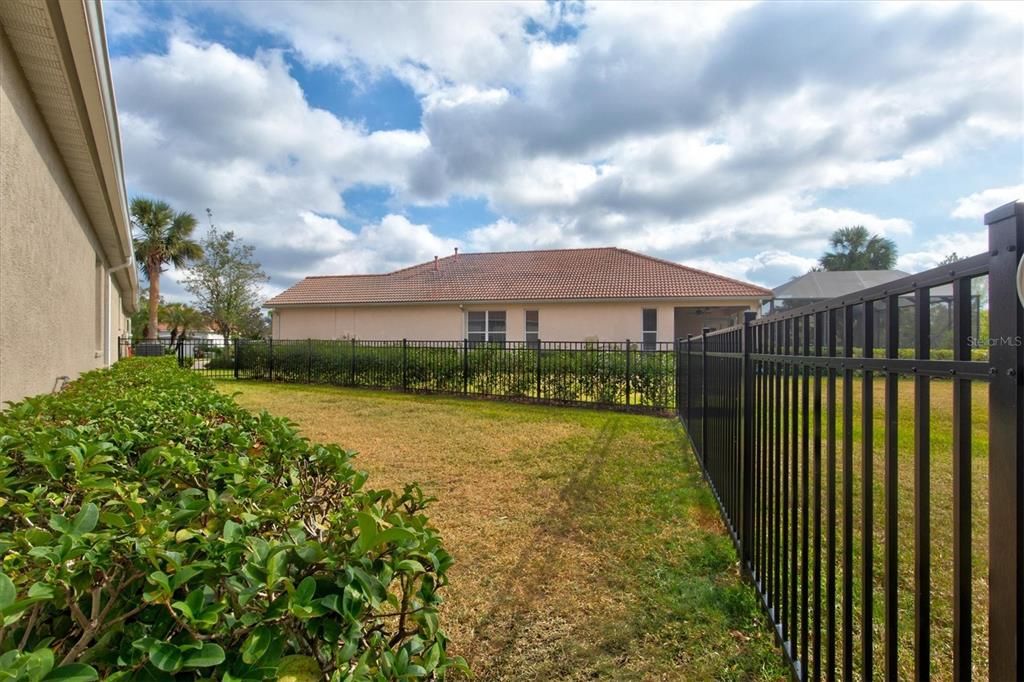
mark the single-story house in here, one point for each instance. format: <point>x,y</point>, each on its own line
<point>824,285</point>
<point>598,294</point>
<point>68,279</point>
<point>815,287</point>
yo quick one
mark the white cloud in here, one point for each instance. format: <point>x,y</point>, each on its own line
<point>963,244</point>
<point>204,127</point>
<point>209,123</point>
<point>787,237</point>
<point>388,245</point>
<point>975,206</point>
<point>124,18</point>
<point>704,135</point>
<point>767,268</point>
<point>427,43</point>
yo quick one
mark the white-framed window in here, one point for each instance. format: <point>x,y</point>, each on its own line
<point>650,328</point>
<point>485,326</point>
<point>532,328</point>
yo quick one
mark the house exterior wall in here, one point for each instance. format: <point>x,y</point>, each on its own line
<point>569,321</point>
<point>58,308</point>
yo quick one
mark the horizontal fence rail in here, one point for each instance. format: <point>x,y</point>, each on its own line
<point>621,375</point>
<point>876,494</point>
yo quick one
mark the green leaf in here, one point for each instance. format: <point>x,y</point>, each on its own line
<point>166,657</point>
<point>183,575</point>
<point>8,593</point>
<point>59,524</point>
<point>256,644</point>
<point>209,655</point>
<point>74,672</point>
<point>113,520</point>
<point>195,600</point>
<point>39,591</point>
<point>39,663</point>
<point>85,520</point>
<point>394,535</point>
<point>367,531</point>
<point>304,593</point>
<point>232,531</point>
<point>410,565</point>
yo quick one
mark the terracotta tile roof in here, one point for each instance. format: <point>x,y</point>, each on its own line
<point>565,274</point>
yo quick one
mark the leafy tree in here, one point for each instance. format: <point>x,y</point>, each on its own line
<point>950,259</point>
<point>161,236</point>
<point>225,283</point>
<point>181,319</point>
<point>854,248</point>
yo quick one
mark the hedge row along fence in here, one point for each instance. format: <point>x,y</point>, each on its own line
<point>624,375</point>
<point>613,374</point>
<point>152,529</point>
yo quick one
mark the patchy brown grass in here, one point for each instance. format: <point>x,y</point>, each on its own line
<point>587,545</point>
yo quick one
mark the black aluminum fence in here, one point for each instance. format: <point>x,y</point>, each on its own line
<point>625,375</point>
<point>877,500</point>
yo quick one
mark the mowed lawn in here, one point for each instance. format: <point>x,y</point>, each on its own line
<point>940,519</point>
<point>587,544</point>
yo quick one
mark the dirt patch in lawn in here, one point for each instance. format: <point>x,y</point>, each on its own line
<point>586,545</point>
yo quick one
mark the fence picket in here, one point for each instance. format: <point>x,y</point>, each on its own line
<point>794,486</point>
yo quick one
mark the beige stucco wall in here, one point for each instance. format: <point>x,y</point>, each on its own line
<point>558,321</point>
<point>52,296</point>
<point>423,323</point>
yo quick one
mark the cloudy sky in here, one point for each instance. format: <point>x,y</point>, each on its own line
<point>363,137</point>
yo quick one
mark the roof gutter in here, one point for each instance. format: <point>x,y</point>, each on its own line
<point>80,31</point>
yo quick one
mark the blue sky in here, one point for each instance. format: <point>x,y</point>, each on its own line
<point>363,137</point>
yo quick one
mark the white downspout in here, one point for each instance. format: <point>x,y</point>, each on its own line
<point>107,313</point>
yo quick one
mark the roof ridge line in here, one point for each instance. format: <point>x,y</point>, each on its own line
<point>690,268</point>
<point>368,274</point>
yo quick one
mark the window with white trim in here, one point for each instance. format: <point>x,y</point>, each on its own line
<point>485,326</point>
<point>532,328</point>
<point>650,330</point>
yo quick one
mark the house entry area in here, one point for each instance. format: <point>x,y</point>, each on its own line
<point>690,320</point>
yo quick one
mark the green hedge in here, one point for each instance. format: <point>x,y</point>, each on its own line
<point>152,529</point>
<point>590,375</point>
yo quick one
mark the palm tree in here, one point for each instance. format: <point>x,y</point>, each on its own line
<point>181,319</point>
<point>161,236</point>
<point>854,248</point>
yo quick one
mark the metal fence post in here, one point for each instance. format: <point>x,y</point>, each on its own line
<point>465,366</point>
<point>538,367</point>
<point>1006,445</point>
<point>309,361</point>
<point>627,371</point>
<point>405,364</point>
<point>352,361</point>
<point>704,393</point>
<point>236,356</point>
<point>689,382</point>
<point>676,350</point>
<point>270,358</point>
<point>746,525</point>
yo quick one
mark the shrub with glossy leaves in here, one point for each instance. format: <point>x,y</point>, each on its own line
<point>152,529</point>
